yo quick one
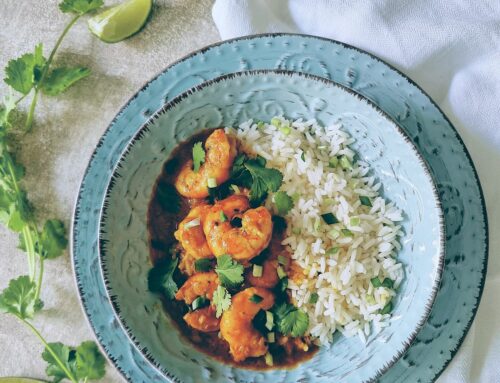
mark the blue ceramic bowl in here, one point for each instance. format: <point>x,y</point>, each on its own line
<point>261,95</point>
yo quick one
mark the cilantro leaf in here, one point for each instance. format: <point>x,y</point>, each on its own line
<point>222,300</point>
<point>25,71</point>
<point>67,357</point>
<point>291,320</point>
<point>283,202</point>
<point>264,179</point>
<point>230,272</point>
<point>61,79</point>
<point>84,362</point>
<point>80,6</point>
<point>19,298</point>
<point>239,174</point>
<point>160,278</point>
<point>9,104</point>
<point>198,156</point>
<point>52,239</point>
<point>90,364</point>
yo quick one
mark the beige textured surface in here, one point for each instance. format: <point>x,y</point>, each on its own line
<point>66,131</point>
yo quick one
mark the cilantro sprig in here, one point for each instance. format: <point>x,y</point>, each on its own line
<point>160,278</point>
<point>291,320</point>
<point>29,75</point>
<point>253,174</point>
<point>229,271</point>
<point>222,300</point>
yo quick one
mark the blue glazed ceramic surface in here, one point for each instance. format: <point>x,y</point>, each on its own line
<point>439,143</point>
<point>229,101</point>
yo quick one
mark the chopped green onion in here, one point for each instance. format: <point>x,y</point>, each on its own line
<point>275,121</point>
<point>271,337</point>
<point>355,221</point>
<point>281,272</point>
<point>199,302</point>
<point>260,125</point>
<point>257,271</point>
<point>365,201</point>
<point>295,197</point>
<point>236,189</point>
<point>376,282</point>
<point>195,222</point>
<point>347,233</point>
<point>285,130</point>
<point>314,298</point>
<point>296,230</point>
<point>269,320</point>
<point>333,234</point>
<point>256,298</point>
<point>388,282</point>
<point>282,260</point>
<point>212,183</point>
<point>317,224</point>
<point>328,201</point>
<point>387,308</point>
<point>333,250</point>
<point>269,359</point>
<point>303,157</point>
<point>202,265</point>
<point>333,162</point>
<point>345,163</point>
<point>370,299</point>
<point>223,217</point>
<point>329,218</point>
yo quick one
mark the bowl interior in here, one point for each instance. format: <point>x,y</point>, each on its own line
<point>261,95</point>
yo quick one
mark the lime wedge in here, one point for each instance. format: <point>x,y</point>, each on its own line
<point>121,21</point>
<point>20,380</point>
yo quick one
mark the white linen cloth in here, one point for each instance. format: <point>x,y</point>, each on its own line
<point>452,50</point>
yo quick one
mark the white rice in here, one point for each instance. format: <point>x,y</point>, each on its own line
<point>347,300</point>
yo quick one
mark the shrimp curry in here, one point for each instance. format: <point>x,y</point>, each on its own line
<point>219,264</point>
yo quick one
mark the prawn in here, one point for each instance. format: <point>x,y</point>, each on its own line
<point>203,319</point>
<point>190,233</point>
<point>236,324</point>
<point>245,242</point>
<point>200,284</point>
<point>220,152</point>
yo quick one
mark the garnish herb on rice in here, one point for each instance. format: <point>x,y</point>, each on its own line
<point>253,174</point>
<point>290,320</point>
<point>283,202</point>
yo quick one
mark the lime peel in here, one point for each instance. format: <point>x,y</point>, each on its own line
<point>121,21</point>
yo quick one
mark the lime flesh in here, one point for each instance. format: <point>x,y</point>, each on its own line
<point>121,21</point>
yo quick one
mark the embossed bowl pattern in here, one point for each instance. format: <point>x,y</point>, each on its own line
<point>260,95</point>
<point>435,137</point>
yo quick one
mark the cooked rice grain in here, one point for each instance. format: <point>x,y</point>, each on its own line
<point>347,300</point>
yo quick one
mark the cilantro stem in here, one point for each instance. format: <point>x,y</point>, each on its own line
<point>56,47</point>
<point>27,246</point>
<point>31,113</point>
<point>50,350</point>
<point>39,282</point>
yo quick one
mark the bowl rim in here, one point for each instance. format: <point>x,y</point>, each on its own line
<point>249,73</point>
